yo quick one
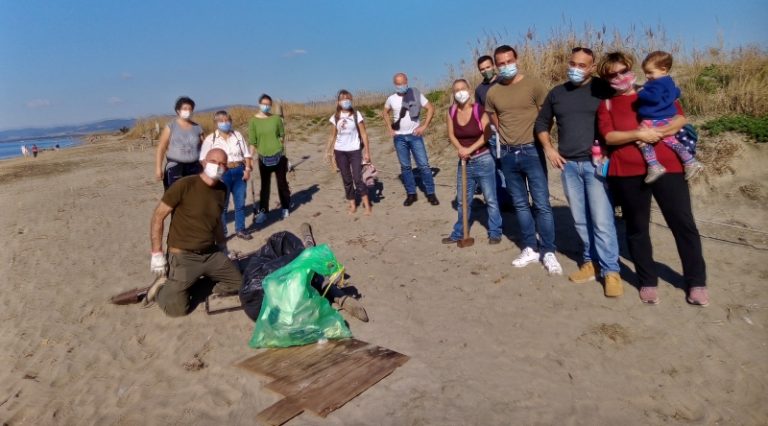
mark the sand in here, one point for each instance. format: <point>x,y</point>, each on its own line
<point>489,344</point>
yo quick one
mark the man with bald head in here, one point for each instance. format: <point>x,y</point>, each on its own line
<point>406,129</point>
<point>196,242</point>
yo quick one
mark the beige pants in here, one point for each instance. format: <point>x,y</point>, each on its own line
<point>185,270</point>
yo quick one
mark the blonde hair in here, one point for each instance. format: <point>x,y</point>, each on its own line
<point>610,59</point>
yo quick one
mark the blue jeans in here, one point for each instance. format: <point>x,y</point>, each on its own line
<point>405,145</point>
<point>502,196</point>
<point>236,186</point>
<point>592,213</point>
<point>480,171</point>
<point>524,171</point>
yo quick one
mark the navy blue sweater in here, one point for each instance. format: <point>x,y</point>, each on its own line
<point>657,99</point>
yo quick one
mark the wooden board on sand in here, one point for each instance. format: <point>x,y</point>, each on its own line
<point>320,377</point>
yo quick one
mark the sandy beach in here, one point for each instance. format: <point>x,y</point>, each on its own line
<point>489,344</point>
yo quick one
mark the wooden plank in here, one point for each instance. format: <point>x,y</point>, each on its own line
<point>280,412</point>
<point>325,400</point>
<point>289,362</point>
<point>322,373</point>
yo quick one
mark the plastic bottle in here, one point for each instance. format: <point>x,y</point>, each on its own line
<point>597,153</point>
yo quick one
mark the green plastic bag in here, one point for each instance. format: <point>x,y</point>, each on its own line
<point>293,313</point>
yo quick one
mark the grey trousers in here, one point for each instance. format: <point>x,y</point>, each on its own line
<point>184,272</point>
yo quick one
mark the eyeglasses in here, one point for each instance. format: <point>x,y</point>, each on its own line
<point>611,76</point>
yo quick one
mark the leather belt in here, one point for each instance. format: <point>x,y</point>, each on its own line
<point>207,250</point>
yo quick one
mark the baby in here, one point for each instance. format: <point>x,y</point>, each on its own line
<point>656,107</point>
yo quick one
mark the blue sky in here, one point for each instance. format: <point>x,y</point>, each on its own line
<point>76,61</point>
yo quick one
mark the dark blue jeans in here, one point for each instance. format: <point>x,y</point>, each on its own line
<point>236,186</point>
<point>405,145</point>
<point>175,171</point>
<point>525,171</point>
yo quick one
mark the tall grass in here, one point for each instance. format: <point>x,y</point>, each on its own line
<point>714,81</point>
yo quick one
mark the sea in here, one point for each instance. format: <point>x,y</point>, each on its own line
<point>13,149</point>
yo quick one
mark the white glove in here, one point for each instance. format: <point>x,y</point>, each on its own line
<point>158,263</point>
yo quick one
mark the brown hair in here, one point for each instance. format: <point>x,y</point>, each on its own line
<point>659,59</point>
<point>604,67</point>
<point>352,111</point>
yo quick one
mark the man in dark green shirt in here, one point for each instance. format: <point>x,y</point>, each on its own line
<point>196,243</point>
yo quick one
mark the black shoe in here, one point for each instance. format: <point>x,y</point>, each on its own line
<point>244,236</point>
<point>494,240</point>
<point>448,240</point>
<point>410,199</point>
<point>433,199</point>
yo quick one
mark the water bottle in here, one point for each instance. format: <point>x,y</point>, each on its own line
<point>597,153</point>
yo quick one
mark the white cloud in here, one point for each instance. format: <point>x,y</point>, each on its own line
<point>114,100</point>
<point>294,52</point>
<point>126,76</point>
<point>38,103</point>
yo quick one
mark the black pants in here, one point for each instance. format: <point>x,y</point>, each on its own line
<point>350,164</point>
<point>281,173</point>
<point>674,200</point>
<point>175,171</point>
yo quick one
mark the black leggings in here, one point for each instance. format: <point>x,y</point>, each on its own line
<point>350,164</point>
<point>674,200</point>
<point>283,190</point>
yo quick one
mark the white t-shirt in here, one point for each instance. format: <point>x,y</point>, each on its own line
<point>395,102</point>
<point>235,146</point>
<point>347,138</point>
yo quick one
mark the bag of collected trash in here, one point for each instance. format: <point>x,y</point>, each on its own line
<point>280,249</point>
<point>293,313</point>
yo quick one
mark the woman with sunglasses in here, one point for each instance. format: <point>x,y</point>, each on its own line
<point>619,124</point>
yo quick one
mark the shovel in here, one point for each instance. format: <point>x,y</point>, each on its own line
<point>467,241</point>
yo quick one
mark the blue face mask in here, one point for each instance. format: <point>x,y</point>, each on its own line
<point>508,72</point>
<point>224,127</point>
<point>401,89</point>
<point>576,75</point>
<point>265,108</point>
<point>346,104</point>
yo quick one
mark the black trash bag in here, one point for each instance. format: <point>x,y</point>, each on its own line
<point>281,248</point>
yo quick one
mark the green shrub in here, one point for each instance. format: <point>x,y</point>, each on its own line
<point>754,127</point>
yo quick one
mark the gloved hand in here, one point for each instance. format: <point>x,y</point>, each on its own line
<point>158,263</point>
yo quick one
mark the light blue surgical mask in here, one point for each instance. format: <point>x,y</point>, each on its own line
<point>401,89</point>
<point>224,127</point>
<point>346,104</point>
<point>265,108</point>
<point>576,75</point>
<point>508,72</point>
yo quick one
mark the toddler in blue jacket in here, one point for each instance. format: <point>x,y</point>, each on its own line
<point>656,107</point>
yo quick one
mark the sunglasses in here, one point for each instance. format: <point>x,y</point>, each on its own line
<point>611,76</point>
<point>586,50</point>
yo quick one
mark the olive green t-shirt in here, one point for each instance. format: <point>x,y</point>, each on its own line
<point>197,210</point>
<point>517,105</point>
<point>266,134</point>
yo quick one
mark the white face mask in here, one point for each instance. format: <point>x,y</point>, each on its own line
<point>213,171</point>
<point>185,114</point>
<point>462,96</point>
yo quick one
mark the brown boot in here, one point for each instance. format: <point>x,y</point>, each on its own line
<point>353,307</point>
<point>586,273</point>
<point>613,287</point>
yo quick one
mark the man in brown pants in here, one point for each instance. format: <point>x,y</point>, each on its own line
<point>196,243</point>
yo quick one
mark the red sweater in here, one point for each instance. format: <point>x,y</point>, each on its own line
<point>627,160</point>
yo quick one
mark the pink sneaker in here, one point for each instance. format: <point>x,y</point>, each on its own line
<point>698,296</point>
<point>648,295</point>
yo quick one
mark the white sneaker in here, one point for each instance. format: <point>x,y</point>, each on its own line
<point>526,257</point>
<point>260,218</point>
<point>552,265</point>
<point>285,213</point>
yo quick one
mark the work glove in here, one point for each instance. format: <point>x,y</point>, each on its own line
<point>158,263</point>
